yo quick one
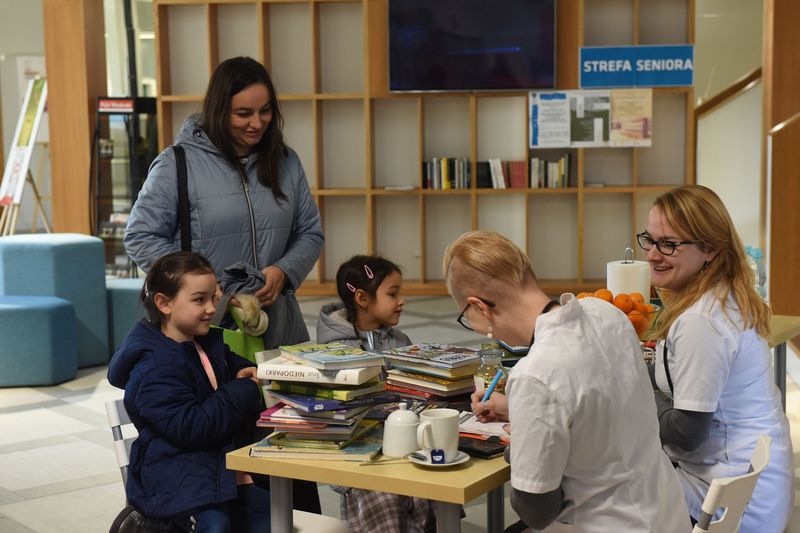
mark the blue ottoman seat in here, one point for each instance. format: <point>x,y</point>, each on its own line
<point>67,265</point>
<point>40,345</point>
<point>124,309</point>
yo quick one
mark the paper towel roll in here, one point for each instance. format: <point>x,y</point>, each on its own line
<point>629,277</point>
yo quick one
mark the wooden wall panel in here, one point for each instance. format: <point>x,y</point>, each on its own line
<point>76,75</point>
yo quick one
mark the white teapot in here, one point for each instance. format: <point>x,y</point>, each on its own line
<point>400,432</point>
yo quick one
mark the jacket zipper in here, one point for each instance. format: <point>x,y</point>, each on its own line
<point>246,189</point>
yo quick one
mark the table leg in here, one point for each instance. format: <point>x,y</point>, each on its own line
<point>280,501</point>
<point>448,517</point>
<point>495,510</point>
<point>780,371</point>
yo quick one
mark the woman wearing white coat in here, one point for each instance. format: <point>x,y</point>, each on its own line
<point>712,372</point>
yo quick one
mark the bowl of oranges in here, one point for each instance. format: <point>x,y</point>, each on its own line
<point>640,314</point>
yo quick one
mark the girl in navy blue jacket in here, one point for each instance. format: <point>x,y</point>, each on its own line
<point>189,397</point>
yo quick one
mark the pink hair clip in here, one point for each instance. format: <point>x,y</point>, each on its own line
<point>352,289</point>
<point>370,275</point>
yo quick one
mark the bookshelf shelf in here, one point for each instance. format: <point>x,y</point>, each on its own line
<point>361,145</point>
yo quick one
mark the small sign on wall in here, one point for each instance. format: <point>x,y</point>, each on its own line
<point>637,66</point>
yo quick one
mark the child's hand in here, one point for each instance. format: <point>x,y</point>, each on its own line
<point>249,372</point>
<point>274,280</point>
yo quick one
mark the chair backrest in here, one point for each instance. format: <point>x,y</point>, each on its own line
<point>118,417</point>
<point>733,494</point>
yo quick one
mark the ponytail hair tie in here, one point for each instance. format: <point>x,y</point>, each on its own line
<point>349,286</point>
<point>368,271</point>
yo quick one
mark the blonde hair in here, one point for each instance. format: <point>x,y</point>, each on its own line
<point>699,214</point>
<point>488,260</point>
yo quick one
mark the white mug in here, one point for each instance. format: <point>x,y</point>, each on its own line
<point>437,435</point>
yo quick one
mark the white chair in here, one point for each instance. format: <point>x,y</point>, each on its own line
<point>118,417</point>
<point>733,494</point>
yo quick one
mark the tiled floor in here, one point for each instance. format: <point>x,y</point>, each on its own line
<point>58,472</point>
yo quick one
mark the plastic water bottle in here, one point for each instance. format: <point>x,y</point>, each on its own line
<point>755,258</point>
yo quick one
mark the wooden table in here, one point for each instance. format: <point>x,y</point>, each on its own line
<point>783,328</point>
<point>448,487</point>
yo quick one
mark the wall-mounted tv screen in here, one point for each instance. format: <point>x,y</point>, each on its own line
<point>471,45</point>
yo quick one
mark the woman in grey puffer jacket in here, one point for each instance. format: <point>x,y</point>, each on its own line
<point>250,204</point>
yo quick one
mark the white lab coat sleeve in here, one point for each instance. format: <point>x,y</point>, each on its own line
<point>700,358</point>
<point>540,437</point>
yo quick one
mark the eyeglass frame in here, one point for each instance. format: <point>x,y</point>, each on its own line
<point>460,318</point>
<point>673,244</point>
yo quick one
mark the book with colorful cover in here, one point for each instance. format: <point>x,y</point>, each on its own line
<point>447,373</point>
<point>467,389</point>
<point>359,450</point>
<point>340,393</point>
<point>284,369</point>
<point>432,382</point>
<point>413,393</point>
<point>331,356</point>
<point>281,438</point>
<point>282,413</point>
<point>435,354</point>
<point>312,404</point>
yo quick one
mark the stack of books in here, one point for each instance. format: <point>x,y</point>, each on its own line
<point>323,392</point>
<point>431,371</point>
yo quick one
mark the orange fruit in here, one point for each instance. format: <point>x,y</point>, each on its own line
<point>623,302</point>
<point>604,294</point>
<point>583,294</point>
<point>639,306</point>
<point>637,297</point>
<point>650,308</point>
<point>639,322</point>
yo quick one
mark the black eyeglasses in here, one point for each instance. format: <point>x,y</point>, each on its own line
<point>464,321</point>
<point>646,242</point>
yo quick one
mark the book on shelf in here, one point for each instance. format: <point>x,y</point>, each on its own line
<point>284,369</point>
<point>446,173</point>
<point>448,373</point>
<point>330,356</point>
<point>311,404</point>
<point>341,392</point>
<point>398,377</point>
<point>550,174</point>
<point>434,354</point>
<point>483,175</point>
<point>359,450</point>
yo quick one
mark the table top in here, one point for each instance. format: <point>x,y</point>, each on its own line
<point>456,484</point>
<point>783,328</point>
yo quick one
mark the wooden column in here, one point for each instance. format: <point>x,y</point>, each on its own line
<point>75,55</point>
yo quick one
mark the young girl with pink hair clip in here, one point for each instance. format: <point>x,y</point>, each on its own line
<point>369,287</point>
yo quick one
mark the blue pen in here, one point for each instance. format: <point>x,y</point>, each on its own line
<point>492,385</point>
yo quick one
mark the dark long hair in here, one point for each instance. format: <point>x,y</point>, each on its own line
<point>365,272</point>
<point>166,277</point>
<point>229,78</point>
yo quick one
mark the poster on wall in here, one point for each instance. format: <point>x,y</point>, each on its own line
<point>632,112</point>
<point>591,118</point>
<point>19,156</point>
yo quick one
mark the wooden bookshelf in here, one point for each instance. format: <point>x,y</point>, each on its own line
<point>357,140</point>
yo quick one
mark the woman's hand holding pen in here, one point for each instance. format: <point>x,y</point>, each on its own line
<point>495,409</point>
<point>274,280</point>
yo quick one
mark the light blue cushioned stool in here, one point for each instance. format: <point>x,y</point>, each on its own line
<point>66,265</point>
<point>124,309</point>
<point>39,341</point>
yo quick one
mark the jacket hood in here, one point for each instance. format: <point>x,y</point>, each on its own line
<point>192,134</point>
<point>143,339</point>
<point>332,324</point>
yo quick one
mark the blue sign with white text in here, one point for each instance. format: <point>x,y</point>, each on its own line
<point>637,66</point>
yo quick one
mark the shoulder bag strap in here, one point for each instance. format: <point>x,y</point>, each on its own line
<point>666,368</point>
<point>184,222</point>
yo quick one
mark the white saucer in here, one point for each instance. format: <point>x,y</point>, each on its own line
<point>461,457</point>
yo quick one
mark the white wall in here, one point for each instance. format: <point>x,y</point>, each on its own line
<point>729,159</point>
<point>727,43</point>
